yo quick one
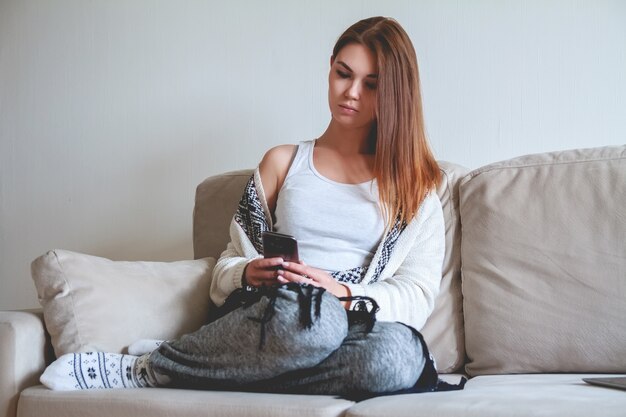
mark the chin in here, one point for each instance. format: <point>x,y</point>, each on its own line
<point>350,121</point>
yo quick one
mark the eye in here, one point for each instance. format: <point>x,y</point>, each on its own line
<point>370,86</point>
<point>343,74</point>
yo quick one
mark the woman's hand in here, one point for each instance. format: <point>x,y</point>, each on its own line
<point>262,272</point>
<point>303,274</point>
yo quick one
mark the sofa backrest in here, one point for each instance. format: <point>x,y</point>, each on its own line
<point>217,198</point>
<point>544,263</point>
<point>216,201</point>
<point>444,329</point>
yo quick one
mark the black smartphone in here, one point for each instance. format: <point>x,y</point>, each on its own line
<point>278,245</point>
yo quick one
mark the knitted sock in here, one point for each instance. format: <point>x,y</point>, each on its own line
<point>143,346</point>
<point>90,370</point>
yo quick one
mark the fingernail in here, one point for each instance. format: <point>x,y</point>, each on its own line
<point>285,264</point>
<point>280,272</point>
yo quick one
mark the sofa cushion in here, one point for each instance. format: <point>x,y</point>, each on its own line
<point>95,304</point>
<point>216,201</point>
<point>217,198</point>
<point>443,330</point>
<point>546,395</point>
<point>544,263</point>
<point>155,402</point>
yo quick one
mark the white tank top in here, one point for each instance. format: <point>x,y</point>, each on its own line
<point>338,226</point>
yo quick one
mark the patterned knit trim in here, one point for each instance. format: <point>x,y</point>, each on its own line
<point>356,275</point>
<point>388,245</point>
<point>351,276</point>
<point>251,217</point>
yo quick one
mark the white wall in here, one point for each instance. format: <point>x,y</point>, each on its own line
<point>112,111</point>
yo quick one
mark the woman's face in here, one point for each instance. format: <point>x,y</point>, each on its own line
<point>352,86</point>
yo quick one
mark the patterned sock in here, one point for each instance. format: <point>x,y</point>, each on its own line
<point>143,346</point>
<point>92,370</point>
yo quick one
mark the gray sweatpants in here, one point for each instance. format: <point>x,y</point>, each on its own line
<point>293,339</point>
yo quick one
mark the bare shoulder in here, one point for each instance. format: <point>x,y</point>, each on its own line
<point>273,169</point>
<point>275,162</point>
<point>278,156</point>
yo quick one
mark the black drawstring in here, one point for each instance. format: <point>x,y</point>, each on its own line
<point>306,293</point>
<point>363,311</point>
<point>247,296</point>
<point>268,314</point>
<point>318,305</point>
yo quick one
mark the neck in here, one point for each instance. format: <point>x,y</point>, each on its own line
<point>346,141</point>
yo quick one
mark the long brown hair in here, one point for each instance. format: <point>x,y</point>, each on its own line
<point>404,166</point>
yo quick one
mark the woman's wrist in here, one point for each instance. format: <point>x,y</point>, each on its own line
<point>244,282</point>
<point>346,293</point>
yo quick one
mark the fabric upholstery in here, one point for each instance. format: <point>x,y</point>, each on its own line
<point>543,283</point>
<point>167,402</point>
<point>444,329</point>
<point>544,263</point>
<point>547,395</point>
<point>217,198</point>
<point>22,355</point>
<point>216,201</point>
<point>96,304</point>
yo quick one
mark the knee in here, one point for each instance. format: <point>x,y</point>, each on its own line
<point>317,326</point>
<point>392,360</point>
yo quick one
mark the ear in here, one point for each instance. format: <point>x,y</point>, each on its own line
<point>332,60</point>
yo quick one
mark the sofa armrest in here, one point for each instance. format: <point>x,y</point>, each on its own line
<point>24,353</point>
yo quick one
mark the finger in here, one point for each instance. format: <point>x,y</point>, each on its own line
<point>288,276</point>
<point>295,267</point>
<point>270,262</point>
<point>301,273</point>
<point>258,271</point>
<point>257,276</point>
<point>263,282</point>
<point>298,278</point>
<point>264,274</point>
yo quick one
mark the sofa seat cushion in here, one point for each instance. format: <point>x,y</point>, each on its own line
<point>156,402</point>
<point>505,395</point>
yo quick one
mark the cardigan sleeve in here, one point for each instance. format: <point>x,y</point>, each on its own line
<point>254,214</point>
<point>407,293</point>
<point>231,264</point>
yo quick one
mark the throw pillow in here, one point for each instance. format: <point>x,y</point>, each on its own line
<point>96,304</point>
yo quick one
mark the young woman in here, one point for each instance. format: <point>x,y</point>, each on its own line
<point>360,201</point>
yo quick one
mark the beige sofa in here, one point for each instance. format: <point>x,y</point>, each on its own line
<point>533,298</point>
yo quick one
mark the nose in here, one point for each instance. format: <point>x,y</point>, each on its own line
<point>353,91</point>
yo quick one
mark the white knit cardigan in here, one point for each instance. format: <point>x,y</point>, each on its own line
<point>405,289</point>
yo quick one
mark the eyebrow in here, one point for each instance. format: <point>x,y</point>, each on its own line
<point>350,69</point>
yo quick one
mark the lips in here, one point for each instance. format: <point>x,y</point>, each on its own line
<point>345,106</point>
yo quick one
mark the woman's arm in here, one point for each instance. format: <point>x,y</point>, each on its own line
<point>230,266</point>
<point>273,169</point>
<point>240,256</point>
<point>407,293</point>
